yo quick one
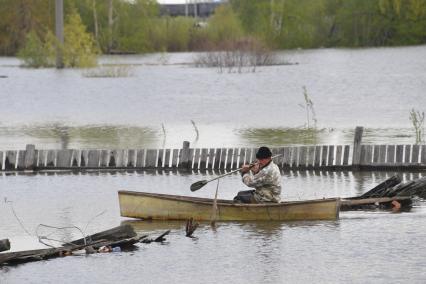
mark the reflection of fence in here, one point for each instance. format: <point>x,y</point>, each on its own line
<point>294,157</point>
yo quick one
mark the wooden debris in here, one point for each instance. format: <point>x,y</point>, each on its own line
<point>375,203</point>
<point>123,237</point>
<point>190,227</point>
<point>159,239</point>
<point>390,194</point>
<point>4,245</point>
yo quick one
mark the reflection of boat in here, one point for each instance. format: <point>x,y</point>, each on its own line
<point>151,226</point>
<point>144,205</point>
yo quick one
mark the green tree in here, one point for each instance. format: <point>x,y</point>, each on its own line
<point>33,53</point>
<point>79,49</point>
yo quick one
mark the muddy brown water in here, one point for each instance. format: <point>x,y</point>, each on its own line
<point>375,88</point>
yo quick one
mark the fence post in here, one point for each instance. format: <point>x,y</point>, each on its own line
<point>356,157</point>
<point>30,157</point>
<point>184,155</point>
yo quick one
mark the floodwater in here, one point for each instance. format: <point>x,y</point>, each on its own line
<point>379,247</point>
<point>153,107</point>
<point>375,88</point>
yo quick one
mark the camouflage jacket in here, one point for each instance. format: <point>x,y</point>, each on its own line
<point>267,183</point>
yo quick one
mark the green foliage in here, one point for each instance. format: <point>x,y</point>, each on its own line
<point>33,54</point>
<point>136,25</point>
<point>224,25</point>
<point>79,49</point>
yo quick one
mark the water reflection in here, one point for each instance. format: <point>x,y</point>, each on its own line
<point>60,136</point>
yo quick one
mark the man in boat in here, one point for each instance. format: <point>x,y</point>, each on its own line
<point>264,176</point>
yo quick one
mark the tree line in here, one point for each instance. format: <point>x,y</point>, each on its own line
<point>137,26</point>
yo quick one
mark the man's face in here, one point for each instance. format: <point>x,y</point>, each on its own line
<point>263,162</point>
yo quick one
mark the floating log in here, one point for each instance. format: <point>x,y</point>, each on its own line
<point>4,245</point>
<point>350,204</point>
<point>122,236</point>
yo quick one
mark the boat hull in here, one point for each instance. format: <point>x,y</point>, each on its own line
<point>172,207</point>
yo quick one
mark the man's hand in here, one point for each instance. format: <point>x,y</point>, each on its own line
<point>255,169</point>
<point>245,169</point>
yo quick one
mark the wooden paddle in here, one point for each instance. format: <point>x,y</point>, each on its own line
<point>199,184</point>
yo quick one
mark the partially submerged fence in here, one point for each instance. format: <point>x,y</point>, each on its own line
<point>332,157</point>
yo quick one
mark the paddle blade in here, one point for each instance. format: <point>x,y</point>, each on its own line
<point>197,185</point>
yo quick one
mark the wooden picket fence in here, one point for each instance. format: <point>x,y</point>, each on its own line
<point>185,158</point>
<point>330,157</point>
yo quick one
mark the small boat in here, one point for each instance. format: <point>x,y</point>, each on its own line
<point>153,206</point>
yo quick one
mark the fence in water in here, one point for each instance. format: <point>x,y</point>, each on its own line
<point>330,157</point>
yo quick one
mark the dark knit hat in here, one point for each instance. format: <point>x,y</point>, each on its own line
<point>263,153</point>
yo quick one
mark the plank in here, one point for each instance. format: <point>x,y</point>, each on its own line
<point>279,160</point>
<point>93,158</point>
<point>131,158</point>
<point>42,156</point>
<point>339,154</point>
<point>175,156</point>
<point>423,155</point>
<point>140,158</point>
<point>222,159</point>
<point>293,157</point>
<point>151,158</point>
<point>229,155</point>
<point>367,155</point>
<point>1,160</point>
<point>64,158</point>
<point>184,156</point>
<point>104,160</point>
<point>317,158</point>
<point>211,157</point>
<point>75,158</point>
<point>324,155</point>
<point>235,159</point>
<point>119,157</point>
<point>376,154</point>
<point>10,160</point>
<point>242,156</point>
<point>160,158</point>
<point>167,155</point>
<point>51,159</point>
<point>415,154</point>
<point>21,160</point>
<point>247,156</point>
<point>197,155</point>
<point>84,158</point>
<point>399,154</point>
<point>218,154</point>
<point>346,151</point>
<point>310,156</point>
<point>30,158</point>
<point>382,155</point>
<point>191,158</point>
<point>331,157</point>
<point>407,154</point>
<point>357,147</point>
<point>390,155</point>
<point>302,156</point>
<point>203,158</point>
